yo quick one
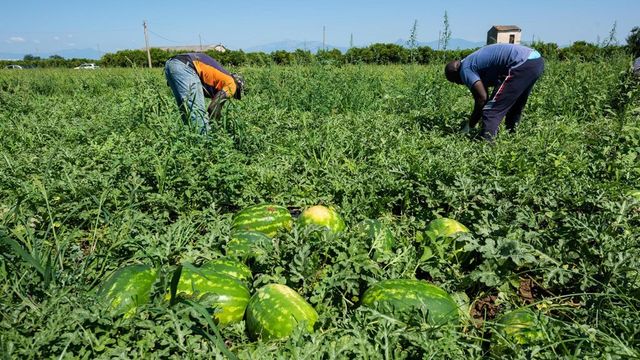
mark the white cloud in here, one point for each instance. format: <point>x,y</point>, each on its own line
<point>71,44</point>
<point>56,38</point>
<point>16,39</point>
<point>69,36</point>
<point>36,41</point>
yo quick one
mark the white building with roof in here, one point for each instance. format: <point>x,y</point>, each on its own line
<point>504,34</point>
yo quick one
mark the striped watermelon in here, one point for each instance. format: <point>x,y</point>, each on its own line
<point>403,299</point>
<point>248,245</point>
<point>225,295</point>
<point>266,218</point>
<point>275,310</point>
<point>233,268</point>
<point>518,327</point>
<point>324,216</point>
<point>382,239</point>
<point>128,288</point>
<point>443,233</point>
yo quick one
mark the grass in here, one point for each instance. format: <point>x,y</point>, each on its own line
<point>97,171</point>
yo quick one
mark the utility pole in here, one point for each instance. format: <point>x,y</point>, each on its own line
<point>146,42</point>
<point>351,41</point>
<point>324,38</point>
<point>200,37</point>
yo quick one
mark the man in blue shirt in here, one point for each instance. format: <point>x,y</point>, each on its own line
<point>511,70</point>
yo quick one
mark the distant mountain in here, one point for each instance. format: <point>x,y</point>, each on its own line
<point>80,54</point>
<point>287,45</point>
<point>10,56</point>
<point>314,46</point>
<point>454,44</point>
<point>67,54</point>
<point>292,45</point>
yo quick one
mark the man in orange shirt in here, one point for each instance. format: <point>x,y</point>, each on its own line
<point>194,76</point>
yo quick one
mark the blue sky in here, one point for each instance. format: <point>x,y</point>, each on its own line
<point>38,26</point>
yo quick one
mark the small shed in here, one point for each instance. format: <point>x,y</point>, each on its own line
<point>504,34</point>
<point>220,48</point>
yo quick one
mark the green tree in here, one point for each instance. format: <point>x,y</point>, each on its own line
<point>302,57</point>
<point>633,41</point>
<point>333,57</point>
<point>282,57</point>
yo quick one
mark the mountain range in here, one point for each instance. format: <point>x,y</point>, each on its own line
<point>67,54</point>
<point>287,45</point>
<point>454,44</point>
<point>314,46</point>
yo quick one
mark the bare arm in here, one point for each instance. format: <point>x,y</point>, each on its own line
<point>480,97</point>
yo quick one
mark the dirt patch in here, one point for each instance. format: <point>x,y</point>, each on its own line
<point>525,290</point>
<point>485,309</point>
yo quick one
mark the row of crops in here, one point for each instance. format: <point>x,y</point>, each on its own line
<point>275,311</point>
<point>100,181</point>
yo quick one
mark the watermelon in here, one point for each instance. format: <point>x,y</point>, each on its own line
<point>248,244</point>
<point>445,227</point>
<point>266,218</point>
<point>323,216</point>
<point>519,327</point>
<point>233,268</point>
<point>275,310</point>
<point>128,288</point>
<point>403,299</point>
<point>225,295</point>
<point>382,239</point>
<point>443,233</point>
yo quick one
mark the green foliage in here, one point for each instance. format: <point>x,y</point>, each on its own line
<point>98,172</point>
<point>633,41</point>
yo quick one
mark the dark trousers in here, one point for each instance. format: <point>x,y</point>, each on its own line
<point>509,99</point>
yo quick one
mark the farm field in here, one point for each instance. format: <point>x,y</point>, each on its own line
<point>98,172</point>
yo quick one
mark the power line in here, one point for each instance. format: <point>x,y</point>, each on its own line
<point>164,38</point>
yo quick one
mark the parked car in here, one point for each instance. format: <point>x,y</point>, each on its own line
<point>13,66</point>
<point>90,66</point>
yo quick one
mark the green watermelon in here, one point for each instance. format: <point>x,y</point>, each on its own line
<point>445,227</point>
<point>519,327</point>
<point>128,288</point>
<point>275,310</point>
<point>248,244</point>
<point>233,268</point>
<point>382,239</point>
<point>225,295</point>
<point>266,218</point>
<point>323,216</point>
<point>403,299</point>
<point>443,233</point>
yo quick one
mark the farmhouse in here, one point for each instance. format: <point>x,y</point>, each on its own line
<point>504,34</point>
<point>194,48</point>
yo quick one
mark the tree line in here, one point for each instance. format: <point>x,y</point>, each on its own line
<point>373,54</point>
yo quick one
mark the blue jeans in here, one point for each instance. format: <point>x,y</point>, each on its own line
<point>187,89</point>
